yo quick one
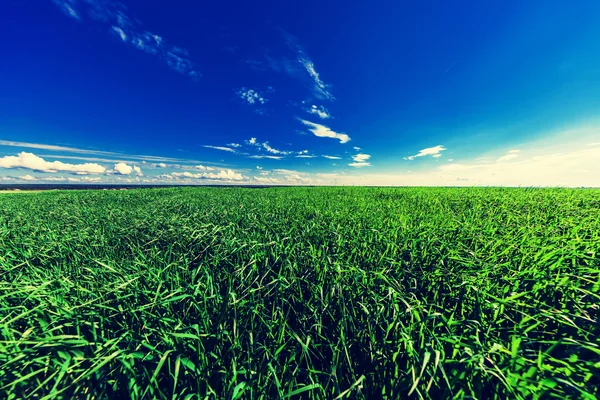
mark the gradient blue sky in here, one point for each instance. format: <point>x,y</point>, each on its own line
<point>310,92</point>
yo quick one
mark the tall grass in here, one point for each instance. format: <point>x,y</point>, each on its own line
<point>316,293</point>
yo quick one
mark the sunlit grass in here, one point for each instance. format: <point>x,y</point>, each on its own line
<point>301,293</point>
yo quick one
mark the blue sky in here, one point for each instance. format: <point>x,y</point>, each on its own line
<point>265,92</point>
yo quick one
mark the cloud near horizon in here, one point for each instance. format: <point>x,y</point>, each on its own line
<point>30,161</point>
<point>124,169</point>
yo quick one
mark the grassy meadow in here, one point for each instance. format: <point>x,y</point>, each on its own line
<point>312,293</point>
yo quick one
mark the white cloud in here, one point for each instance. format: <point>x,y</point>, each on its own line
<point>161,165</point>
<point>222,148</point>
<point>138,171</point>
<point>430,151</point>
<point>361,157</point>
<point>324,131</point>
<point>259,167</point>
<point>333,157</point>
<point>234,145</point>
<point>28,178</point>
<point>321,111</point>
<point>360,160</point>
<point>251,96</point>
<point>305,156</point>
<point>251,141</point>
<point>31,161</point>
<point>128,30</point>
<point>122,169</point>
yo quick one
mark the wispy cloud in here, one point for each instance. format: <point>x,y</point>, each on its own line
<point>301,67</point>
<point>305,156</point>
<point>321,111</point>
<point>333,157</point>
<point>360,160</point>
<point>321,89</point>
<point>30,161</point>
<point>118,156</point>
<point>222,148</point>
<point>68,7</point>
<point>274,151</point>
<point>324,131</point>
<point>260,156</point>
<point>129,31</point>
<point>430,151</point>
<point>254,146</point>
<point>54,148</point>
<point>510,155</point>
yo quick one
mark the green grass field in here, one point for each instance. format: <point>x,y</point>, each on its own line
<point>314,293</point>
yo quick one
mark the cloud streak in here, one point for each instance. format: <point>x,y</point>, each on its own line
<point>260,157</point>
<point>324,131</point>
<point>301,67</point>
<point>113,14</point>
<point>49,147</point>
<point>274,151</point>
<point>222,148</point>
